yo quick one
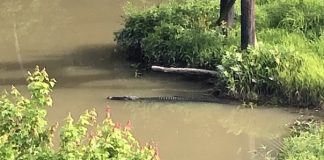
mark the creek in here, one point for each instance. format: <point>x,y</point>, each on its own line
<point>74,41</point>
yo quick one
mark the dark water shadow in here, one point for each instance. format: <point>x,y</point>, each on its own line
<point>101,59</point>
<point>82,65</point>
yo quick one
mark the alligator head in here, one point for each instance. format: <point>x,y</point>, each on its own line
<point>122,97</point>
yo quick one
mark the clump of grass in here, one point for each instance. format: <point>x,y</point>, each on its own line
<point>305,16</point>
<point>306,86</point>
<point>256,73</point>
<point>306,142</point>
<point>318,46</point>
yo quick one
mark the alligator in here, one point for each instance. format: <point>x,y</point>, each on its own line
<point>167,99</point>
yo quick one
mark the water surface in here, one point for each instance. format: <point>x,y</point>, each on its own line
<point>74,41</point>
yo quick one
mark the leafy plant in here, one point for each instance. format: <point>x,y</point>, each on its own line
<point>24,133</point>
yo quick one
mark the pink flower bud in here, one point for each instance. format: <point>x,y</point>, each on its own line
<point>128,126</point>
<point>108,111</point>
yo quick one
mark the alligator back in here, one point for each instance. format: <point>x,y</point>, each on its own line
<point>167,99</point>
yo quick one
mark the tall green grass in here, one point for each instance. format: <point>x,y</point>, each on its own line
<point>305,16</point>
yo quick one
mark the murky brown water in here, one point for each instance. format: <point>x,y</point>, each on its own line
<point>74,41</point>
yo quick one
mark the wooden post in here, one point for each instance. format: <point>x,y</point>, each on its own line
<point>248,36</point>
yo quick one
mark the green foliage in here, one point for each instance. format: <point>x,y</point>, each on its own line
<point>307,144</point>
<point>306,86</point>
<point>256,72</point>
<point>174,45</point>
<point>285,38</point>
<point>304,16</point>
<point>262,2</point>
<point>317,46</point>
<point>293,77</point>
<point>287,65</point>
<point>24,133</point>
<point>192,14</point>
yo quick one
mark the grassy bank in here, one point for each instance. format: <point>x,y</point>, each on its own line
<point>286,67</point>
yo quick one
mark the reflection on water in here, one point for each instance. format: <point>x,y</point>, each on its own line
<point>79,52</point>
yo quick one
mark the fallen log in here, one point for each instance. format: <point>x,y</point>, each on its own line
<point>188,71</point>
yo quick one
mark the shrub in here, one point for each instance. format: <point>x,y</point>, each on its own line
<point>24,133</point>
<point>304,144</point>
<point>192,14</point>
